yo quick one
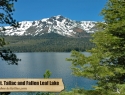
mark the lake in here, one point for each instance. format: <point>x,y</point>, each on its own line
<point>34,65</point>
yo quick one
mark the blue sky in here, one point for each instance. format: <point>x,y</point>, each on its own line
<point>28,10</point>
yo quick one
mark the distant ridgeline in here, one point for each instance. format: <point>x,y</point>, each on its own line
<point>50,42</point>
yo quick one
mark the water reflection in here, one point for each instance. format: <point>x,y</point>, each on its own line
<point>34,65</point>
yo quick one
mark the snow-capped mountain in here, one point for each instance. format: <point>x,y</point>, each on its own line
<point>57,24</point>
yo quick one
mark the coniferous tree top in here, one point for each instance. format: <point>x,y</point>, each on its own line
<point>107,61</point>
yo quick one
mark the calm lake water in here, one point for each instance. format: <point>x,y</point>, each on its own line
<point>34,65</point>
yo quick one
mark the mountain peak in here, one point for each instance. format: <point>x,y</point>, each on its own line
<point>57,24</point>
<point>59,16</point>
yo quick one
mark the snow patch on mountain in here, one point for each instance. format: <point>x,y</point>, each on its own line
<point>57,24</point>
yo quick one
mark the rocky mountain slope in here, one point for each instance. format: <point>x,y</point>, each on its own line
<point>57,24</point>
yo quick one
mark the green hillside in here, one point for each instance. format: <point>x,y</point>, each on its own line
<point>47,43</point>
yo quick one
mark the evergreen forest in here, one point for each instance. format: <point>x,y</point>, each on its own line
<point>50,42</point>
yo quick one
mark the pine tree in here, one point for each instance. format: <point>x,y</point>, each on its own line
<point>6,12</point>
<point>107,61</point>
